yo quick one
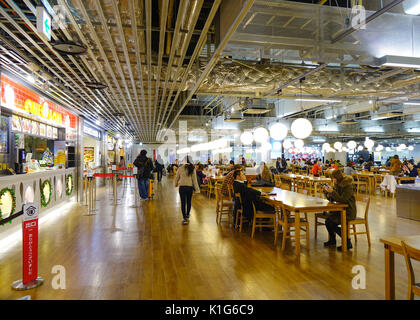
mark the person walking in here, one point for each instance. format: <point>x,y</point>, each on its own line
<point>159,167</point>
<point>144,168</point>
<point>186,180</point>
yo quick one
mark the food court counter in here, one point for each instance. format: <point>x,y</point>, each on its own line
<point>408,201</point>
<point>27,187</point>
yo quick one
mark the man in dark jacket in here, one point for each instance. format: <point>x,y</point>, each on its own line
<point>342,192</point>
<point>248,197</point>
<point>144,168</point>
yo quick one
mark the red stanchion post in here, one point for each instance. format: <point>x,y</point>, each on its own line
<point>30,277</point>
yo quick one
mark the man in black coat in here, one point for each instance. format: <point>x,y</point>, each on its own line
<point>249,196</point>
<point>144,169</point>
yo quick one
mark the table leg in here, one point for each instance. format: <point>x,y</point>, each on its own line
<point>343,231</point>
<point>389,274</point>
<point>297,232</point>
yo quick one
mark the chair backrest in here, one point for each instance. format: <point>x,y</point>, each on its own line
<point>277,180</point>
<point>366,200</point>
<point>410,253</point>
<point>230,191</point>
<point>238,196</point>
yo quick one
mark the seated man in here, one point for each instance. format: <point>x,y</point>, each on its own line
<point>343,193</point>
<point>248,196</point>
<point>228,180</point>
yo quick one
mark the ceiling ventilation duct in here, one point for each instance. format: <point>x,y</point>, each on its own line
<point>234,117</point>
<point>347,120</point>
<point>256,106</point>
<point>387,112</point>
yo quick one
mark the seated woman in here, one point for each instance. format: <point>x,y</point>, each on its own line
<point>410,170</point>
<point>249,196</point>
<point>349,169</point>
<point>368,165</point>
<point>200,174</point>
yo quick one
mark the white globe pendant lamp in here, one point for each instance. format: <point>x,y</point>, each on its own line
<point>278,131</point>
<point>287,144</point>
<point>402,146</point>
<point>326,146</point>
<point>410,148</point>
<point>338,145</point>
<point>352,145</point>
<point>301,128</point>
<point>369,143</point>
<point>247,137</point>
<point>360,148</point>
<point>299,144</point>
<point>261,135</point>
<point>388,149</point>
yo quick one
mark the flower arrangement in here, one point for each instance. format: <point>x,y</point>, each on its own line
<point>46,192</point>
<point>7,203</point>
<point>69,184</point>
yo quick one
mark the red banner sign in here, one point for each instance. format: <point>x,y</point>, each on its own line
<point>20,98</point>
<point>30,243</point>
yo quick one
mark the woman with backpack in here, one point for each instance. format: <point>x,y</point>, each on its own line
<point>186,180</point>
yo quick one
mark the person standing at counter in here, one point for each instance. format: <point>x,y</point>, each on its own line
<point>396,166</point>
<point>144,169</point>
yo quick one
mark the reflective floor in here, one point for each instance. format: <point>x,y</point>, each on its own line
<point>124,252</point>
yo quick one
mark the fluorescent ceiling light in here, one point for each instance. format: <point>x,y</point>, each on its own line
<point>318,100</point>
<point>399,61</point>
<point>412,103</point>
<point>411,7</point>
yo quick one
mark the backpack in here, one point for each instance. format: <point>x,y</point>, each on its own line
<point>140,167</point>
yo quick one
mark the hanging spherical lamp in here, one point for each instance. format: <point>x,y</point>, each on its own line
<point>261,135</point>
<point>402,146</point>
<point>326,146</point>
<point>388,149</point>
<point>380,148</point>
<point>299,144</point>
<point>278,131</point>
<point>410,148</point>
<point>352,145</point>
<point>301,128</point>
<point>247,137</point>
<point>287,144</point>
<point>338,145</point>
<point>360,148</point>
<point>369,144</point>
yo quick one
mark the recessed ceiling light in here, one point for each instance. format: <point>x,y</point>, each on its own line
<point>95,85</point>
<point>70,48</point>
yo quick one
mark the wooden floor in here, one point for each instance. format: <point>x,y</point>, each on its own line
<point>145,253</point>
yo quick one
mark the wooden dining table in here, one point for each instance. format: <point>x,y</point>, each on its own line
<point>392,246</point>
<point>314,181</point>
<point>299,204</point>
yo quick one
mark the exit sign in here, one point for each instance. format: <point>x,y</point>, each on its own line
<point>43,22</point>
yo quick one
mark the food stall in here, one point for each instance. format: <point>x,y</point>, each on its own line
<point>37,146</point>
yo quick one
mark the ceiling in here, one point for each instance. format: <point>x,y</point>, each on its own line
<point>165,61</point>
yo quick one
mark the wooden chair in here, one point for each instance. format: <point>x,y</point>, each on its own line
<point>287,223</point>
<point>411,253</point>
<point>359,183</point>
<point>277,180</point>
<point>378,181</point>
<point>262,215</point>
<point>224,206</point>
<point>358,220</point>
<point>210,188</point>
<point>239,212</point>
